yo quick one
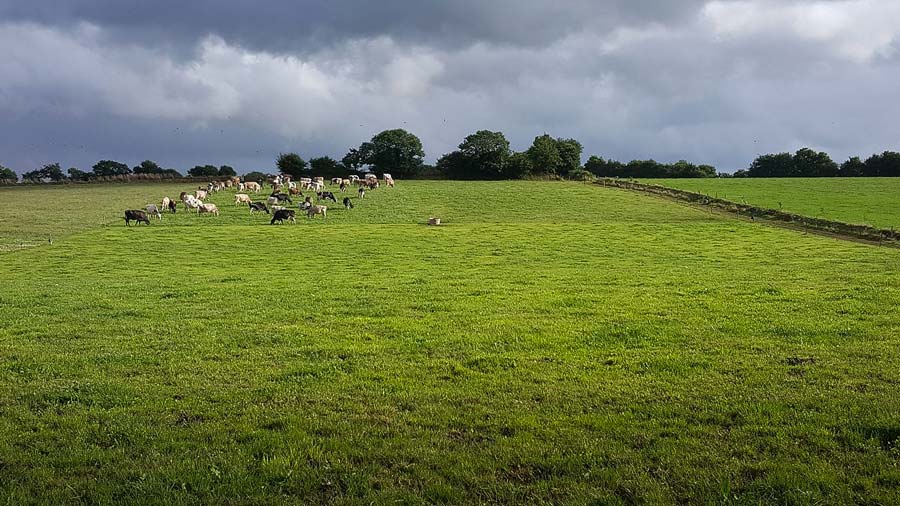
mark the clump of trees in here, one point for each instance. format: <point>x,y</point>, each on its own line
<point>647,169</point>
<point>49,172</point>
<point>809,163</point>
<point>211,171</point>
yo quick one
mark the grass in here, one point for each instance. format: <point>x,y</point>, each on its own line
<point>554,342</point>
<point>869,201</point>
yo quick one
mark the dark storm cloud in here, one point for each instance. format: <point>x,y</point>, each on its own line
<point>186,83</point>
<point>291,26</point>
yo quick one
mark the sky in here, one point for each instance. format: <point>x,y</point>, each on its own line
<point>237,82</point>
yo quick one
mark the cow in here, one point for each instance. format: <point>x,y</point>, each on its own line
<point>295,191</point>
<point>193,203</point>
<point>362,192</point>
<point>388,180</point>
<point>241,198</point>
<point>200,194</point>
<point>314,210</point>
<point>306,204</point>
<point>172,206</point>
<point>136,216</point>
<point>259,207</point>
<point>343,186</point>
<point>326,196</point>
<point>283,214</point>
<point>152,210</point>
<point>208,208</point>
<point>165,202</point>
<point>347,203</point>
<point>336,180</point>
<point>252,187</point>
<point>241,187</point>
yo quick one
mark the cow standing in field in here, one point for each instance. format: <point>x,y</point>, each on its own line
<point>314,210</point>
<point>362,192</point>
<point>172,206</point>
<point>259,207</point>
<point>326,196</point>
<point>283,214</point>
<point>152,210</point>
<point>347,203</point>
<point>165,202</point>
<point>241,198</point>
<point>136,216</point>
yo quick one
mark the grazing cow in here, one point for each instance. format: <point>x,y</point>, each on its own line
<point>208,208</point>
<point>295,191</point>
<point>200,194</point>
<point>314,210</point>
<point>193,203</point>
<point>326,196</point>
<point>229,183</point>
<point>283,197</point>
<point>165,202</point>
<point>152,210</point>
<point>317,186</point>
<point>336,180</point>
<point>259,207</point>
<point>283,214</point>
<point>388,180</point>
<point>172,206</point>
<point>241,198</point>
<point>252,187</point>
<point>353,178</point>
<point>343,187</point>
<point>362,192</point>
<point>347,203</point>
<point>136,216</point>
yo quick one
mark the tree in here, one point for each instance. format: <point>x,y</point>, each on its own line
<point>255,176</point>
<point>148,167</point>
<point>7,173</point>
<point>204,171</point>
<point>78,175</point>
<point>291,164</point>
<point>518,166</point>
<point>486,154</point>
<point>227,171</point>
<point>772,165</point>
<point>326,166</point>
<point>853,167</point>
<point>396,151</point>
<point>106,168</point>
<point>353,160</point>
<point>51,172</point>
<point>544,155</point>
<point>886,164</point>
<point>808,163</point>
<point>454,165</point>
<point>570,156</point>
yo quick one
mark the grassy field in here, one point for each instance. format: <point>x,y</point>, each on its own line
<point>31,215</point>
<point>553,343</point>
<point>869,201</point>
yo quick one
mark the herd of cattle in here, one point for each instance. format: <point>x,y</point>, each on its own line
<point>276,204</point>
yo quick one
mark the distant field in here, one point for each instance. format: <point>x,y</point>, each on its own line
<point>32,214</point>
<point>870,201</point>
<point>553,343</point>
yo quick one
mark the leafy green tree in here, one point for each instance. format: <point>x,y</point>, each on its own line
<point>853,167</point>
<point>204,171</point>
<point>808,163</point>
<point>148,167</point>
<point>78,175</point>
<point>291,164</point>
<point>886,164</point>
<point>771,165</point>
<point>569,154</point>
<point>487,154</point>
<point>326,166</point>
<point>395,151</point>
<point>255,176</point>
<point>517,166</point>
<point>51,172</point>
<point>353,160</point>
<point>544,155</point>
<point>106,168</point>
<point>454,165</point>
<point>227,171</point>
<point>7,173</point>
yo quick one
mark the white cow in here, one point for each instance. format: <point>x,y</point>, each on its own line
<point>241,198</point>
<point>152,210</point>
<point>208,208</point>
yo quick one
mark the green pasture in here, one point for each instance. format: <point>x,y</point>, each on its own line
<point>871,201</point>
<point>551,343</point>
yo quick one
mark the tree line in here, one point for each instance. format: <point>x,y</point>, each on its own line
<point>487,155</point>
<point>809,163</point>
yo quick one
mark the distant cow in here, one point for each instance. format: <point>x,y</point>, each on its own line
<point>165,202</point>
<point>336,180</point>
<point>252,187</point>
<point>259,207</point>
<point>172,206</point>
<point>362,192</point>
<point>208,208</point>
<point>326,196</point>
<point>283,214</point>
<point>314,210</point>
<point>241,198</point>
<point>201,194</point>
<point>347,203</point>
<point>135,216</point>
<point>152,210</point>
